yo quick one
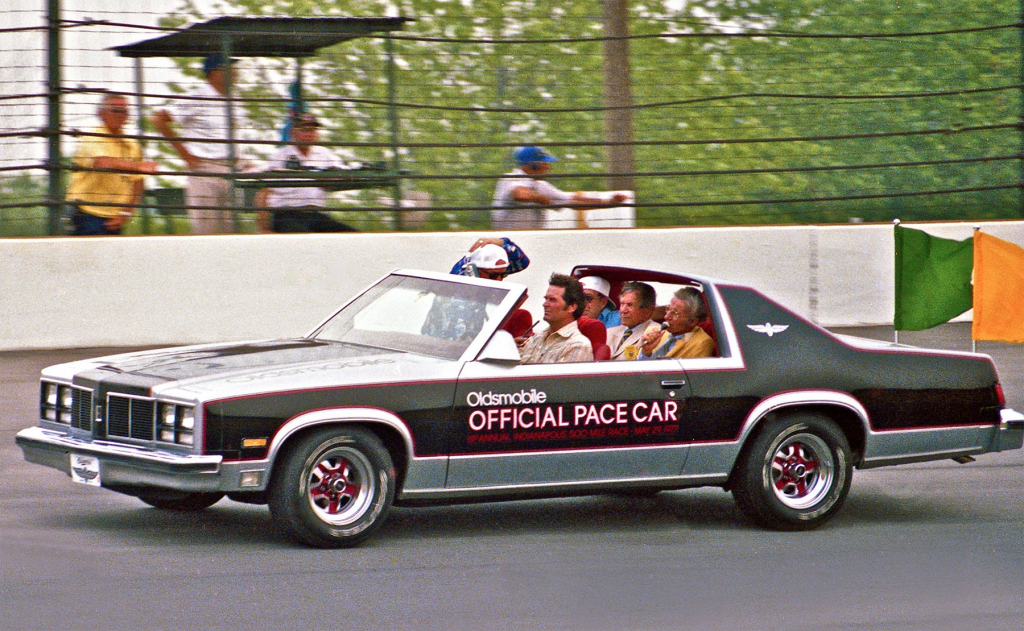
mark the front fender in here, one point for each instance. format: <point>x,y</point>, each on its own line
<point>363,415</point>
<point>418,474</point>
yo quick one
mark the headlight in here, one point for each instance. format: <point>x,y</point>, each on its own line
<point>168,413</point>
<point>177,424</point>
<point>187,419</point>
<point>55,402</point>
<point>49,394</point>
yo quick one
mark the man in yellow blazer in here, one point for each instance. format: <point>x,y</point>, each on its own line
<point>679,336</point>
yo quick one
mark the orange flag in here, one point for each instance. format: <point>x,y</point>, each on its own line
<point>998,290</point>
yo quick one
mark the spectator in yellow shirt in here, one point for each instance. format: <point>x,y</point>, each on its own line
<point>100,202</point>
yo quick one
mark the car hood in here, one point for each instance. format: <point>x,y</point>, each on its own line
<point>260,366</point>
<point>189,362</point>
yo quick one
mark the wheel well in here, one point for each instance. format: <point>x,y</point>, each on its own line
<point>848,422</point>
<point>390,437</point>
<point>846,419</point>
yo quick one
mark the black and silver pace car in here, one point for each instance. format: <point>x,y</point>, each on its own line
<point>413,393</point>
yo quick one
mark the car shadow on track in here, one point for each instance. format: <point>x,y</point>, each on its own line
<point>231,524</point>
<point>588,514</point>
<point>870,507</point>
<point>225,523</point>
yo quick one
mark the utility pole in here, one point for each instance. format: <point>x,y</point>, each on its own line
<point>618,96</point>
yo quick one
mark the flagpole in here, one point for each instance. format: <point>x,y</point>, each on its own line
<point>974,342</point>
<point>895,333</point>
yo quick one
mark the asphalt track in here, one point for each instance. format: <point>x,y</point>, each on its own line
<point>934,547</point>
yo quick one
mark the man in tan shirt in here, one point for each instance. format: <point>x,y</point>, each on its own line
<point>562,341</point>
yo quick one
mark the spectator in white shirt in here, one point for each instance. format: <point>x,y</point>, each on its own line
<point>522,195</point>
<point>203,117</point>
<point>299,208</point>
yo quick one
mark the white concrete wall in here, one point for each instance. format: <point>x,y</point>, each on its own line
<point>82,292</point>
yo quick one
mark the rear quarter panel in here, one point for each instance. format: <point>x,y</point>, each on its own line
<point>901,390</point>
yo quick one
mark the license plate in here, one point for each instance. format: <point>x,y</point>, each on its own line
<point>85,469</point>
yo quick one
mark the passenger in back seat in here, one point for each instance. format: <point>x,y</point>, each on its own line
<point>682,337</point>
<point>636,305</point>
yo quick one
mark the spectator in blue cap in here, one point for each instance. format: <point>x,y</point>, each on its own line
<point>216,61</point>
<point>522,195</point>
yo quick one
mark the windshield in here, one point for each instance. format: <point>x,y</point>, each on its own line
<point>417,315</point>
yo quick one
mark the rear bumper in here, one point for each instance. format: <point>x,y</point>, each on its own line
<point>1010,419</point>
<point>124,465</point>
<point>1011,430</point>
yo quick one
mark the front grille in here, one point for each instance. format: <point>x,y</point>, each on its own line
<point>81,409</point>
<point>129,417</point>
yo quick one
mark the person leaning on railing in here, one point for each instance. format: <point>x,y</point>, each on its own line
<point>100,202</point>
<point>520,197</point>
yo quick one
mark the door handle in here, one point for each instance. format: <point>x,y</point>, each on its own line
<point>672,384</point>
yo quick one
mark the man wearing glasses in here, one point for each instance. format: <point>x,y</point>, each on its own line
<point>681,338</point>
<point>108,182</point>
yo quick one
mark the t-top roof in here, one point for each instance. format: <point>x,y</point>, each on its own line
<point>260,37</point>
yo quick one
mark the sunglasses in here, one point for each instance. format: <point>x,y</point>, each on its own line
<point>489,275</point>
<point>117,110</point>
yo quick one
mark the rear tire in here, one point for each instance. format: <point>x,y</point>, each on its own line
<point>795,474</point>
<point>333,487</point>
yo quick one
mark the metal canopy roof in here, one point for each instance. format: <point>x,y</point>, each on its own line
<point>260,37</point>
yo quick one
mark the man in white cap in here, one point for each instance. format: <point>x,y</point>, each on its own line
<point>492,257</point>
<point>522,195</point>
<point>599,306</point>
<point>490,262</point>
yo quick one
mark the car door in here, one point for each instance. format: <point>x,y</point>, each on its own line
<point>560,425</point>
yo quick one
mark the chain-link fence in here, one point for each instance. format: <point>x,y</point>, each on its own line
<point>794,112</point>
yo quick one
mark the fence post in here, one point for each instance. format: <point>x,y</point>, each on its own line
<point>396,163</point>
<point>55,190</point>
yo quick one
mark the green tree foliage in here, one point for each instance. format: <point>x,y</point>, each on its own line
<point>22,206</point>
<point>740,112</point>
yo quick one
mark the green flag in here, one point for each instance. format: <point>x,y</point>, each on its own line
<point>933,279</point>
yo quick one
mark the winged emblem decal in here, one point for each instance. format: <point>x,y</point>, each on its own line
<point>768,328</point>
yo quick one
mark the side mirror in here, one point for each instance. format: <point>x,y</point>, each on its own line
<point>500,348</point>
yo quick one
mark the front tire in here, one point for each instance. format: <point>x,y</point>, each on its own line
<point>333,488</point>
<point>795,474</point>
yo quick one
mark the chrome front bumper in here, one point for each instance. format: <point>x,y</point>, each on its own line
<point>124,465</point>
